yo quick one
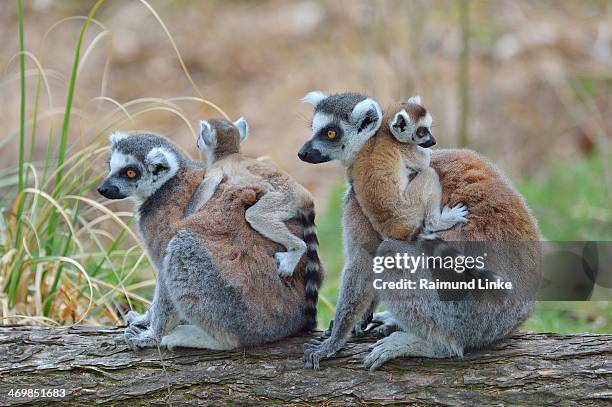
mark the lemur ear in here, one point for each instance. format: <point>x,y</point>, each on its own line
<point>367,114</point>
<point>208,136</point>
<point>401,126</point>
<point>243,128</point>
<point>414,99</point>
<point>314,97</point>
<point>117,137</point>
<point>160,160</point>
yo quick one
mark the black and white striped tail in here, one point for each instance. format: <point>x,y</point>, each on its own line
<point>314,274</point>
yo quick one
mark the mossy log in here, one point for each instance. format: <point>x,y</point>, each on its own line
<point>94,366</point>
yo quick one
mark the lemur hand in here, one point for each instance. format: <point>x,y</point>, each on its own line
<point>140,320</point>
<point>315,350</point>
<point>138,338</point>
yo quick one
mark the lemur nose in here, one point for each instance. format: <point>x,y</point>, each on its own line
<point>302,155</point>
<point>102,190</point>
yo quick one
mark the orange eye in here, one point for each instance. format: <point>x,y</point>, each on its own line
<point>130,173</point>
<point>331,134</point>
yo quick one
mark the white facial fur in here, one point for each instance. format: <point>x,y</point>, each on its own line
<point>408,133</point>
<point>320,120</point>
<point>159,166</point>
<point>118,161</point>
<point>353,140</point>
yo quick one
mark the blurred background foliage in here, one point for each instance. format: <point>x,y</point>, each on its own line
<point>525,83</point>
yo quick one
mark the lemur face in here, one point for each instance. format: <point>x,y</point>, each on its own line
<point>341,124</point>
<point>139,165</point>
<point>412,124</point>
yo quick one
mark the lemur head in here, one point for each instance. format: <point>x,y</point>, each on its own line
<point>139,165</point>
<point>219,138</point>
<point>410,122</point>
<point>341,125</point>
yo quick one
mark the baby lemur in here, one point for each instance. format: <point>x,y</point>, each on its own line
<point>398,207</point>
<point>217,285</point>
<point>430,326</point>
<point>283,198</point>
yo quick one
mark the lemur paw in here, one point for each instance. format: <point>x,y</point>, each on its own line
<point>287,262</point>
<point>387,324</point>
<point>386,349</point>
<point>457,213</point>
<point>134,318</point>
<point>315,350</point>
<point>138,339</point>
<point>449,217</point>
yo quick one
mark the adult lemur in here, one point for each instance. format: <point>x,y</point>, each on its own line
<point>429,326</point>
<point>214,271</point>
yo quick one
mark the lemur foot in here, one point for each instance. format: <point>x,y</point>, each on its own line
<point>190,336</point>
<point>449,217</point>
<point>138,338</point>
<point>134,318</point>
<point>401,344</point>
<point>315,350</point>
<point>388,348</point>
<point>287,262</point>
<point>387,324</point>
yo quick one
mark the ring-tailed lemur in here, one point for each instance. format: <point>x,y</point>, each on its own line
<point>430,327</point>
<point>283,199</point>
<point>398,207</point>
<point>216,275</point>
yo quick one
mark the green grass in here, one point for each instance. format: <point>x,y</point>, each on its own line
<point>55,259</point>
<point>571,203</point>
<point>65,256</point>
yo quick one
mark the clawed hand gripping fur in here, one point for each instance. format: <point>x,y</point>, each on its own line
<point>344,127</point>
<point>217,288</point>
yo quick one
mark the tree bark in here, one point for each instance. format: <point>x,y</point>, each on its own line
<point>93,365</point>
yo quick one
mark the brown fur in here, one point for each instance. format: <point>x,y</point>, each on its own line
<point>244,256</point>
<point>496,210</point>
<point>228,138</point>
<point>378,178</point>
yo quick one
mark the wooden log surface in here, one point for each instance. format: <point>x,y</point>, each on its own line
<point>94,366</point>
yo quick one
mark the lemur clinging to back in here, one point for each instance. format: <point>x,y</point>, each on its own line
<point>430,326</point>
<point>214,271</point>
<point>396,206</point>
<point>283,198</point>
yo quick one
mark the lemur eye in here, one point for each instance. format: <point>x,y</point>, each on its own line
<point>130,173</point>
<point>421,132</point>
<point>331,134</point>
